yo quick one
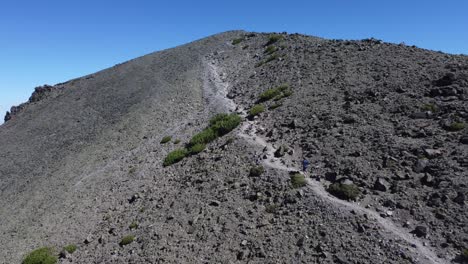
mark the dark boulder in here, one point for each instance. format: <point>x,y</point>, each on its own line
<point>381,185</point>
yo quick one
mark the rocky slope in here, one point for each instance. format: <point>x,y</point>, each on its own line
<point>81,162</point>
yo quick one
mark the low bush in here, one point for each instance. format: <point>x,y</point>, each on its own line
<point>220,125</point>
<point>344,191</point>
<point>430,107</point>
<point>205,136</point>
<point>175,156</point>
<point>226,124</point>
<point>177,141</point>
<point>166,139</point>
<point>127,240</point>
<point>256,171</point>
<point>269,94</point>
<point>273,39</point>
<point>298,180</point>
<point>271,58</point>
<point>456,126</point>
<point>133,225</point>
<point>197,148</point>
<point>237,41</point>
<point>274,106</point>
<point>43,255</point>
<point>256,109</point>
<point>70,248</point>
<point>277,92</point>
<point>270,49</point>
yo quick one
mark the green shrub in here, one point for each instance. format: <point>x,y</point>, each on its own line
<point>260,63</point>
<point>269,94</point>
<point>256,171</point>
<point>175,156</point>
<point>237,41</point>
<point>344,191</point>
<point>271,58</point>
<point>456,126</point>
<point>205,136</point>
<point>430,107</point>
<point>273,39</point>
<point>298,180</point>
<point>133,225</point>
<point>226,125</point>
<point>197,148</point>
<point>286,93</point>
<point>177,141</point>
<point>70,248</point>
<point>218,117</point>
<point>166,139</point>
<point>274,106</point>
<point>43,255</point>
<point>127,240</point>
<point>256,109</point>
<point>270,49</point>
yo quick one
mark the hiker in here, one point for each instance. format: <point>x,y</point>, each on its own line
<point>305,164</point>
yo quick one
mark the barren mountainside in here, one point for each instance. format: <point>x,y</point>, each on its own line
<point>134,164</point>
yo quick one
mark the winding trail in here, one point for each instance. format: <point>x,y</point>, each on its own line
<point>249,130</point>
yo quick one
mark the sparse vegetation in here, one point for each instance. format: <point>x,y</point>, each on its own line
<point>270,49</point>
<point>269,94</point>
<point>271,58</point>
<point>197,148</point>
<point>133,225</point>
<point>127,240</point>
<point>284,94</point>
<point>430,107</point>
<point>205,136</point>
<point>220,125</point>
<point>344,191</point>
<point>70,248</point>
<point>237,41</point>
<point>274,106</point>
<point>456,126</point>
<point>175,156</point>
<point>166,139</point>
<point>277,93</point>
<point>256,171</point>
<point>273,39</point>
<point>256,109</point>
<point>225,124</point>
<point>177,141</point>
<point>298,180</point>
<point>45,255</point>
<point>245,47</point>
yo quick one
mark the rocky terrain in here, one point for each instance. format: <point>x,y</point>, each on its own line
<point>383,126</point>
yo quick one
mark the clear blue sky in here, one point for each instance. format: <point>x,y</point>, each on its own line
<point>53,41</point>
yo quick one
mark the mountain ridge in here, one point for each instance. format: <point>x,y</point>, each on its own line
<point>85,162</point>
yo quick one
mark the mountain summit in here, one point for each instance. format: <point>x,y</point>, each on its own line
<point>243,148</point>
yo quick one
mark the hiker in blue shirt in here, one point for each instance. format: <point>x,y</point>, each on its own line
<point>305,164</point>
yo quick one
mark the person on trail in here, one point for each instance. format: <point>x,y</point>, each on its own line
<point>305,165</point>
